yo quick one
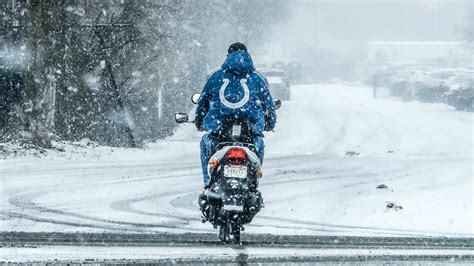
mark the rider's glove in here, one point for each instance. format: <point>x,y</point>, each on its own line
<point>198,125</point>
<point>269,127</point>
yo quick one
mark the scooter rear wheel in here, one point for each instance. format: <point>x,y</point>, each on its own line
<point>224,232</point>
<point>229,232</point>
<point>236,233</point>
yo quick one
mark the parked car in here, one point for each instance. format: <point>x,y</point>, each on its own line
<point>419,82</point>
<point>428,83</point>
<point>429,86</point>
<point>279,65</point>
<point>278,88</point>
<point>273,72</point>
<point>460,92</point>
<point>294,71</point>
<point>278,82</point>
<point>399,83</point>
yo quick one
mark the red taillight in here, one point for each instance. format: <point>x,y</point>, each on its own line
<point>236,154</point>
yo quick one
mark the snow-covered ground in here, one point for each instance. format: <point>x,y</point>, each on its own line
<point>332,147</point>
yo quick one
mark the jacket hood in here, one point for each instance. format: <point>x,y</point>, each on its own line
<point>239,62</point>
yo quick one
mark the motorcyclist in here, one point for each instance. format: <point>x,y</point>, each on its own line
<point>234,89</point>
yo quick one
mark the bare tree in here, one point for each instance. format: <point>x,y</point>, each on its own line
<point>42,28</point>
<point>116,71</point>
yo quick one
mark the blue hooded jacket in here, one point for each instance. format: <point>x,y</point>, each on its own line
<point>236,89</point>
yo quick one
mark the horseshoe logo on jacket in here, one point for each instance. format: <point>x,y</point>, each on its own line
<point>238,104</point>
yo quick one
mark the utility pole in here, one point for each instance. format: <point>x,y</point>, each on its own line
<point>374,89</point>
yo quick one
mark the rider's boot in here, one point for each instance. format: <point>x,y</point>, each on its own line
<point>204,205</point>
<point>255,204</point>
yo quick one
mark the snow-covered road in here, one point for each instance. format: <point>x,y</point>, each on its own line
<point>331,149</point>
<point>210,255</point>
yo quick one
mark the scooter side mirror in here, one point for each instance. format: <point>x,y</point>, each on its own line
<point>277,103</point>
<point>195,98</point>
<point>181,118</point>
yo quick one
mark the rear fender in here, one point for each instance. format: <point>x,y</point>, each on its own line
<point>219,155</point>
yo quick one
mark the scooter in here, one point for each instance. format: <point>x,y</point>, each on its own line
<point>232,199</point>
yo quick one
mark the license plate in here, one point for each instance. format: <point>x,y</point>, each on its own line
<point>233,208</point>
<point>235,171</point>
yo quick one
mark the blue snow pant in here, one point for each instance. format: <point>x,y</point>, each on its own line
<point>209,143</point>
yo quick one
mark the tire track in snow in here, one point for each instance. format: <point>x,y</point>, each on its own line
<point>189,202</point>
<point>24,202</point>
<point>185,197</point>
